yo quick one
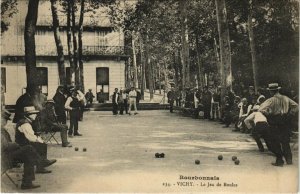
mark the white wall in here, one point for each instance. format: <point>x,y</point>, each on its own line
<point>116,74</point>
<point>16,77</point>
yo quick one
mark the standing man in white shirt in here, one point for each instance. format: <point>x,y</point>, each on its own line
<point>132,100</point>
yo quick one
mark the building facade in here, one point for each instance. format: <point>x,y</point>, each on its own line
<point>103,54</point>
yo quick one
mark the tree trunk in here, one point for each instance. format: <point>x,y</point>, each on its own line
<point>220,72</point>
<point>225,51</point>
<point>149,70</point>
<point>143,81</point>
<point>185,44</point>
<point>175,66</point>
<point>59,46</point>
<point>252,47</point>
<point>153,75</point>
<point>200,73</point>
<point>81,76</point>
<point>166,77</point>
<point>127,85</point>
<point>135,80</point>
<point>75,48</point>
<point>159,79</point>
<point>29,39</point>
<point>70,43</point>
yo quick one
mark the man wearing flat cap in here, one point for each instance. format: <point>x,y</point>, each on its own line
<point>279,110</point>
<point>25,136</point>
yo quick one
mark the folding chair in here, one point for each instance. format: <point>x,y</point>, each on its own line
<point>46,134</point>
<point>6,165</point>
<point>51,136</point>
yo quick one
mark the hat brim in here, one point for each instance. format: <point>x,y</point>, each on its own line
<point>32,112</point>
<point>270,89</point>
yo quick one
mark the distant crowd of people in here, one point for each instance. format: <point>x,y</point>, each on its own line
<point>265,114</point>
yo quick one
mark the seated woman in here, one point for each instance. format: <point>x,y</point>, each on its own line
<point>49,122</point>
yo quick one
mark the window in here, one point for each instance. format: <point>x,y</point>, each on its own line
<point>102,76</point>
<point>101,38</point>
<point>42,79</point>
<point>3,79</point>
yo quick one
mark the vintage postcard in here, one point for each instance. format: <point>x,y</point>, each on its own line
<point>149,96</point>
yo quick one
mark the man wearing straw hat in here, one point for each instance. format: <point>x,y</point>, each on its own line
<point>279,110</point>
<point>26,154</point>
<point>25,136</point>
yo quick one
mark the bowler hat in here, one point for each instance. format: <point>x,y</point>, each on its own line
<point>273,86</point>
<point>30,110</point>
<point>6,114</point>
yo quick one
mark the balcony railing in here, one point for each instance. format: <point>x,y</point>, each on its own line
<point>103,50</point>
<point>100,21</point>
<point>45,50</point>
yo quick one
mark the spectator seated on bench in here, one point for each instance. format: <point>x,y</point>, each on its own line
<point>12,153</point>
<point>49,123</point>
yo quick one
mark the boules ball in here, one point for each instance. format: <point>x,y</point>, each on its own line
<point>162,155</point>
<point>197,162</point>
<point>237,162</point>
<point>220,157</point>
<point>234,158</point>
<point>157,155</point>
<point>84,149</point>
<point>76,149</point>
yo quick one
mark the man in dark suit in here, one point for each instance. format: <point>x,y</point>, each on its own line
<point>171,98</point>
<point>60,100</point>
<point>206,100</point>
<point>115,99</point>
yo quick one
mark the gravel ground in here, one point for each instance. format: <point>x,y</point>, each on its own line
<point>120,158</point>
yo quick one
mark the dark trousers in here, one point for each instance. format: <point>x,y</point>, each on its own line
<point>281,142</point>
<point>63,129</point>
<point>74,117</point>
<point>171,102</point>
<point>206,110</point>
<point>178,102</point>
<point>262,131</point>
<point>126,106</point>
<point>41,149</point>
<point>29,156</point>
<point>81,112</point>
<point>121,107</point>
<point>62,118</point>
<point>280,128</point>
<point>115,108</point>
